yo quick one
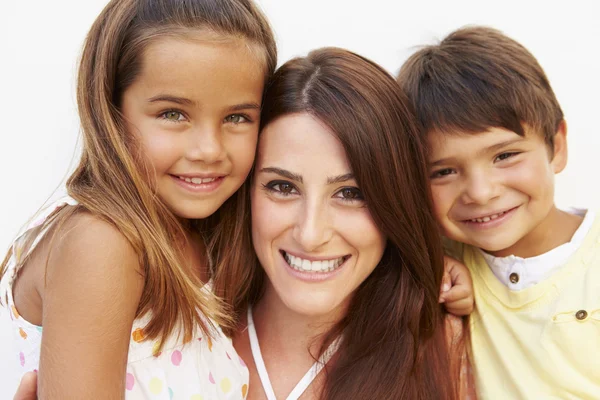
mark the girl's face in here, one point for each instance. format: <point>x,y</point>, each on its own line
<point>194,109</point>
<point>311,229</point>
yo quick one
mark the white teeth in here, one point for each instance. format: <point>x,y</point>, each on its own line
<point>197,181</point>
<point>300,264</point>
<point>306,265</point>
<point>488,218</point>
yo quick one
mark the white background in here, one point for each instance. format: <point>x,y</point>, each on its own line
<point>40,43</point>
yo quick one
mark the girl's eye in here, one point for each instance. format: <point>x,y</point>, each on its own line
<point>236,119</point>
<point>442,173</point>
<point>505,156</point>
<point>350,194</point>
<point>173,116</point>
<point>280,187</point>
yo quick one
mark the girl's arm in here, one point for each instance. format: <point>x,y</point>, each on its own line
<point>92,290</point>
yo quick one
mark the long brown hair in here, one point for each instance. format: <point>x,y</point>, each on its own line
<point>111,180</point>
<point>394,343</point>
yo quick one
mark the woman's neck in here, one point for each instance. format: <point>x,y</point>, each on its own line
<point>290,334</point>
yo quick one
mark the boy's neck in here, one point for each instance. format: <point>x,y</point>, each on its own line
<point>555,230</point>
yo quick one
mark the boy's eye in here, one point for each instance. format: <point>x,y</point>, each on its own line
<point>442,172</point>
<point>172,115</point>
<point>504,156</point>
<point>236,119</point>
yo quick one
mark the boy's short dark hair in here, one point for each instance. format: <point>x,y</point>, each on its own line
<point>478,78</point>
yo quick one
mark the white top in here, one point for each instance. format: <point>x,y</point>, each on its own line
<point>527,272</point>
<point>306,380</point>
<point>204,368</point>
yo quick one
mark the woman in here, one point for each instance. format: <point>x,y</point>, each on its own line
<point>350,253</point>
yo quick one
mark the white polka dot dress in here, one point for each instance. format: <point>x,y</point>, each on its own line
<point>203,368</point>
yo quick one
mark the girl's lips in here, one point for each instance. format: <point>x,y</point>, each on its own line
<point>206,186</point>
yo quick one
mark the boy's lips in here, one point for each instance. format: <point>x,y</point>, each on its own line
<point>489,216</point>
<point>489,221</point>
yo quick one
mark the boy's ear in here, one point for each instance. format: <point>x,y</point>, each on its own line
<point>559,159</point>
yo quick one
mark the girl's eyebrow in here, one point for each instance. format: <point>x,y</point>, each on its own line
<point>173,99</point>
<point>187,102</point>
<point>244,106</point>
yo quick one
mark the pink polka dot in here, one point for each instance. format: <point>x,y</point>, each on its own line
<point>242,361</point>
<point>176,358</point>
<point>22,359</point>
<point>227,354</point>
<point>210,378</point>
<point>129,381</point>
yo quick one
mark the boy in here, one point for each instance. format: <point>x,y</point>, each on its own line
<point>496,137</point>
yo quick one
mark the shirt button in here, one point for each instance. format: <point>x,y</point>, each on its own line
<point>514,277</point>
<point>581,315</point>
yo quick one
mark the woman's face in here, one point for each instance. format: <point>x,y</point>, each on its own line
<point>311,229</point>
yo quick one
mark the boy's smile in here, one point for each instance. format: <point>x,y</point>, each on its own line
<point>495,189</point>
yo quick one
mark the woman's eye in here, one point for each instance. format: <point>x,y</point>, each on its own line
<point>284,188</point>
<point>505,156</point>
<point>236,119</point>
<point>350,194</point>
<point>281,188</point>
<point>173,116</point>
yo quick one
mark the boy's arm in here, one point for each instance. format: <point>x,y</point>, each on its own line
<point>92,291</point>
<point>457,288</point>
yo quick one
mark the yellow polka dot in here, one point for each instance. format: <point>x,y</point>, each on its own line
<point>196,397</point>
<point>22,333</point>
<point>138,335</point>
<point>209,344</point>
<point>155,386</point>
<point>15,313</point>
<point>244,391</point>
<point>225,385</point>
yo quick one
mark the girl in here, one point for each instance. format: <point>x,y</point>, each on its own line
<point>348,259</point>
<point>169,94</point>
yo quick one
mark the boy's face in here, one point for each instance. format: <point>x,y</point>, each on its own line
<point>493,189</point>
